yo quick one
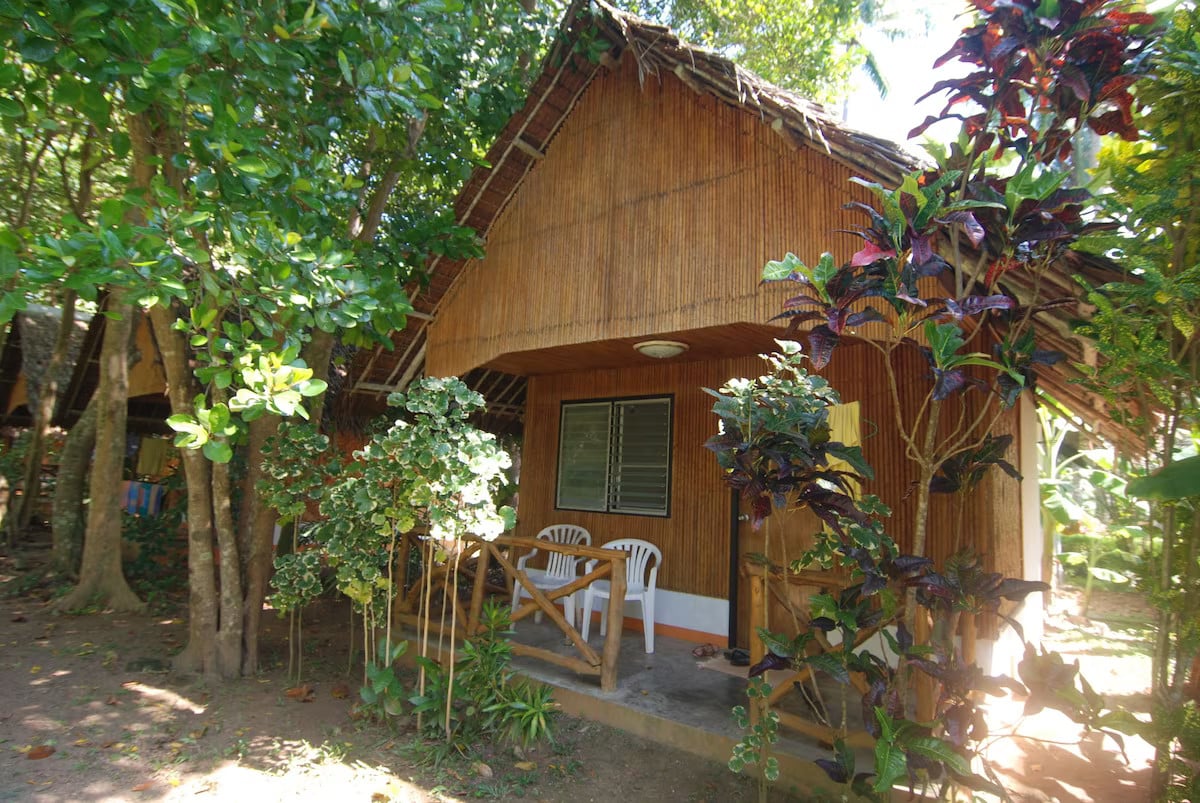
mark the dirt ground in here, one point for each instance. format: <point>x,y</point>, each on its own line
<point>94,695</point>
<point>90,711</point>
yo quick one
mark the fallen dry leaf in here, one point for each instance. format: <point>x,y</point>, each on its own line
<point>340,691</point>
<point>19,618</point>
<point>483,770</point>
<point>40,751</point>
<point>379,797</point>
<point>525,766</point>
<point>142,787</point>
<point>112,700</point>
<point>301,694</point>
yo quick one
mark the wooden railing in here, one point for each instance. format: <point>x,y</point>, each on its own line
<point>765,583</point>
<point>474,560</point>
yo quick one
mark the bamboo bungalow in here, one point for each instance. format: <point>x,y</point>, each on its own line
<point>635,199</point>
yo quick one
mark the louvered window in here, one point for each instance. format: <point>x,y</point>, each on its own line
<point>616,456</point>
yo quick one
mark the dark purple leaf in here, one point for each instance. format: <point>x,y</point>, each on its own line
<point>903,638</point>
<point>836,771</point>
<point>1016,590</point>
<point>1047,357</point>
<point>922,250</point>
<point>769,661</point>
<point>1067,196</point>
<point>823,623</point>
<point>803,301</point>
<point>931,668</point>
<point>947,382</point>
<point>867,315</point>
<point>1036,231</point>
<point>957,722</point>
<point>933,585</point>
<point>944,485</point>
<point>822,342</point>
<point>968,223</point>
<point>973,305</point>
<point>903,565</point>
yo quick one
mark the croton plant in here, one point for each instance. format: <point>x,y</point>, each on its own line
<point>940,259</point>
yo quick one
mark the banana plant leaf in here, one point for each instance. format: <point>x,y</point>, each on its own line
<point>1180,480</point>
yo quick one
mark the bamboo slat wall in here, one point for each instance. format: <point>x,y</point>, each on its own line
<point>653,211</point>
<point>695,538</point>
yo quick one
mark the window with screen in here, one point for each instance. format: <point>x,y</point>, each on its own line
<point>615,456</point>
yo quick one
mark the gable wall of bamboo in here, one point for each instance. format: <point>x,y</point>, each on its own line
<point>695,538</point>
<point>653,211</point>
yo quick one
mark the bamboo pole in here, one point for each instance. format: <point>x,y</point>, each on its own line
<point>558,660</point>
<point>480,587</point>
<point>550,610</point>
<point>824,733</point>
<point>616,622</point>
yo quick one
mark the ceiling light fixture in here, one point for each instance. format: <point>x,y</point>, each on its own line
<point>661,349</point>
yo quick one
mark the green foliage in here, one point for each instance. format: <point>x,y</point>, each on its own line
<point>809,47</point>
<point>1178,481</point>
<point>1181,723</point>
<point>296,580</point>
<point>267,170</point>
<point>484,700</point>
<point>430,467</point>
<point>1149,351</point>
<point>296,467</point>
<point>154,568</point>
<point>383,695</point>
<point>774,440</point>
<point>755,745</point>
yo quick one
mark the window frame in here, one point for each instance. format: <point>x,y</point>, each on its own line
<point>611,467</point>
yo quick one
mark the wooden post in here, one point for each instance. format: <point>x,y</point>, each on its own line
<point>477,592</point>
<point>616,623</point>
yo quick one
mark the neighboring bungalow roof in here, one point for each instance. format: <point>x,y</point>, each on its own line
<point>26,357</point>
<point>658,51</point>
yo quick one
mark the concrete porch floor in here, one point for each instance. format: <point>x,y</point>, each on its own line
<point>669,696</point>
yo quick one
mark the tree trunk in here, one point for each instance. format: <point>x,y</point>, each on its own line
<point>68,519</point>
<point>200,653</point>
<point>229,632</point>
<point>318,353</point>
<point>100,574</point>
<point>43,414</point>
<point>256,531</point>
<point>916,619</point>
<point>5,490</point>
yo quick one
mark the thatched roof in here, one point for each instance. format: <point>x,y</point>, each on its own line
<point>27,354</point>
<point>659,52</point>
<point>563,78</point>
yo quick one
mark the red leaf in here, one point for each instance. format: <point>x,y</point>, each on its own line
<point>1131,18</point>
<point>41,751</point>
<point>870,254</point>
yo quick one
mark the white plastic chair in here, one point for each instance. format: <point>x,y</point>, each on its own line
<point>639,585</point>
<point>560,569</point>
